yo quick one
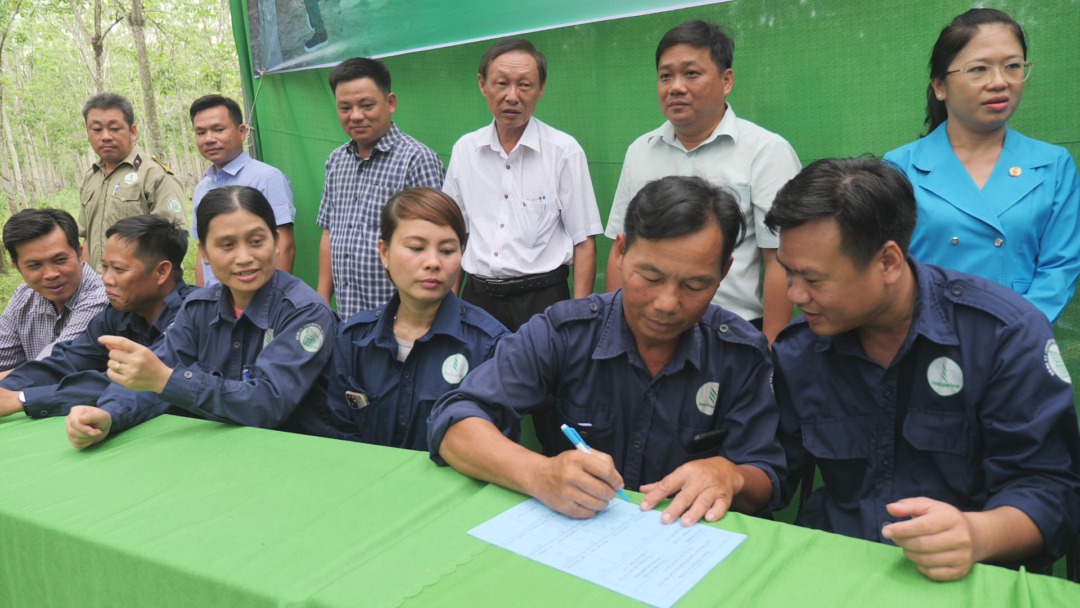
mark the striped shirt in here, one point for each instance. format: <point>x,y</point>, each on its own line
<point>355,192</point>
<point>31,325</point>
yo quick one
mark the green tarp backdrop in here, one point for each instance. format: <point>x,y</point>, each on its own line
<point>834,77</point>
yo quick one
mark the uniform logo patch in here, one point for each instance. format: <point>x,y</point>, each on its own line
<point>945,376</point>
<point>1055,364</point>
<point>131,178</point>
<point>706,398</point>
<point>454,368</point>
<point>174,206</point>
<point>310,337</point>
<point>268,336</point>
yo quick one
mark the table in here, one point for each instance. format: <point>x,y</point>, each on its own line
<point>184,512</point>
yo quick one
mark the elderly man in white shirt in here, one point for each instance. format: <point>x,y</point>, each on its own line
<point>525,190</point>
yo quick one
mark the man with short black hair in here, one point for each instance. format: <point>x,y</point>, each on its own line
<point>361,176</point>
<point>525,190</point>
<point>703,137</point>
<point>61,293</point>
<point>142,276</point>
<point>653,377</point>
<point>936,404</point>
<point>220,133</point>
<point>125,181</point>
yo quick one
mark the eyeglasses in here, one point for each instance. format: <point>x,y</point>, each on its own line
<point>978,74</point>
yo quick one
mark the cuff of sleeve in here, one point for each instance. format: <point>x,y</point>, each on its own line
<point>441,422</point>
<point>1052,520</point>
<point>182,388</point>
<point>38,403</point>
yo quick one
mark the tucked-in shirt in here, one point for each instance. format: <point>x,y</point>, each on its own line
<point>375,398</point>
<point>976,410</point>
<point>356,190</point>
<point>739,155</point>
<point>245,171</point>
<point>31,325</point>
<point>583,353</point>
<point>269,368</point>
<point>140,184</point>
<point>525,210</point>
<point>1021,229</point>
<point>75,372</point>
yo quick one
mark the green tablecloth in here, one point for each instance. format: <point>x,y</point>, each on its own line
<point>182,512</point>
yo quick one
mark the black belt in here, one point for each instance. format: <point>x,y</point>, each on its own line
<point>501,288</point>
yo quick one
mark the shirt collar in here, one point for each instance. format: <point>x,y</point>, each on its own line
<point>231,169</point>
<point>727,127</point>
<point>529,139</point>
<point>258,311</point>
<point>172,304</point>
<point>616,339</point>
<point>447,323</point>
<point>134,159</point>
<point>384,145</point>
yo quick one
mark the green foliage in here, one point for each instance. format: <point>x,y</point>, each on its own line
<point>46,78</point>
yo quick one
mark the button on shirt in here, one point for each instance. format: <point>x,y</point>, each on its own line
<point>739,155</point>
<point>976,411</point>
<point>525,210</point>
<point>583,352</point>
<point>391,400</point>
<point>245,171</point>
<point>355,192</point>
<point>267,369</point>
<point>75,372</point>
<point>31,325</point>
<point>138,185</point>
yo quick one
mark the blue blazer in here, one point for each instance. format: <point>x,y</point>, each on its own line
<point>1021,230</point>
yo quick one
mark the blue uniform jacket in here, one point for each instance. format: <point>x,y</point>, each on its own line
<point>75,372</point>
<point>1021,230</point>
<point>268,369</point>
<point>392,400</point>
<point>582,352</point>
<point>976,411</point>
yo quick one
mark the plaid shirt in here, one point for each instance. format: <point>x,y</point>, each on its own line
<point>356,191</point>
<point>30,325</point>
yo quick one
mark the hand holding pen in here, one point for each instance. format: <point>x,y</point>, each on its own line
<point>580,445</point>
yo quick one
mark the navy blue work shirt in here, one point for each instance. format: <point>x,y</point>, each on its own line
<point>75,372</point>
<point>976,411</point>
<point>582,351</point>
<point>388,400</point>
<point>268,369</point>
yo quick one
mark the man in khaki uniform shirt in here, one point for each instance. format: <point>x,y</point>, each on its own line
<point>125,181</point>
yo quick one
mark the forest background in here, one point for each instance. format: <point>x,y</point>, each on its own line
<point>54,54</point>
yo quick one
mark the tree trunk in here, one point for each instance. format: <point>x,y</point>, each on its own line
<point>18,201</point>
<point>137,21</point>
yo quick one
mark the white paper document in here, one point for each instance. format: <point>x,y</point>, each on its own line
<point>623,549</point>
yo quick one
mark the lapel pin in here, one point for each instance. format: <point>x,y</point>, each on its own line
<point>1015,171</point>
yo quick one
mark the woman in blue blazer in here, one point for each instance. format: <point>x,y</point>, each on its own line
<point>992,202</point>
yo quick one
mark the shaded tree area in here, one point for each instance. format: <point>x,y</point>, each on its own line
<point>161,54</point>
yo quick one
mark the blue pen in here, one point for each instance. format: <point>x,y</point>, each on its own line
<point>579,443</point>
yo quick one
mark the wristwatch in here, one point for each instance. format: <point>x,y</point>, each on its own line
<point>22,397</point>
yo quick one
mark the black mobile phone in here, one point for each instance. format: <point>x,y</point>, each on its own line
<point>706,441</point>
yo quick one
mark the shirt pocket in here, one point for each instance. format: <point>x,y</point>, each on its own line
<point>841,446</point>
<point>531,219</point>
<point>937,431</point>
<point>595,422</point>
<point>367,418</point>
<point>127,195</point>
